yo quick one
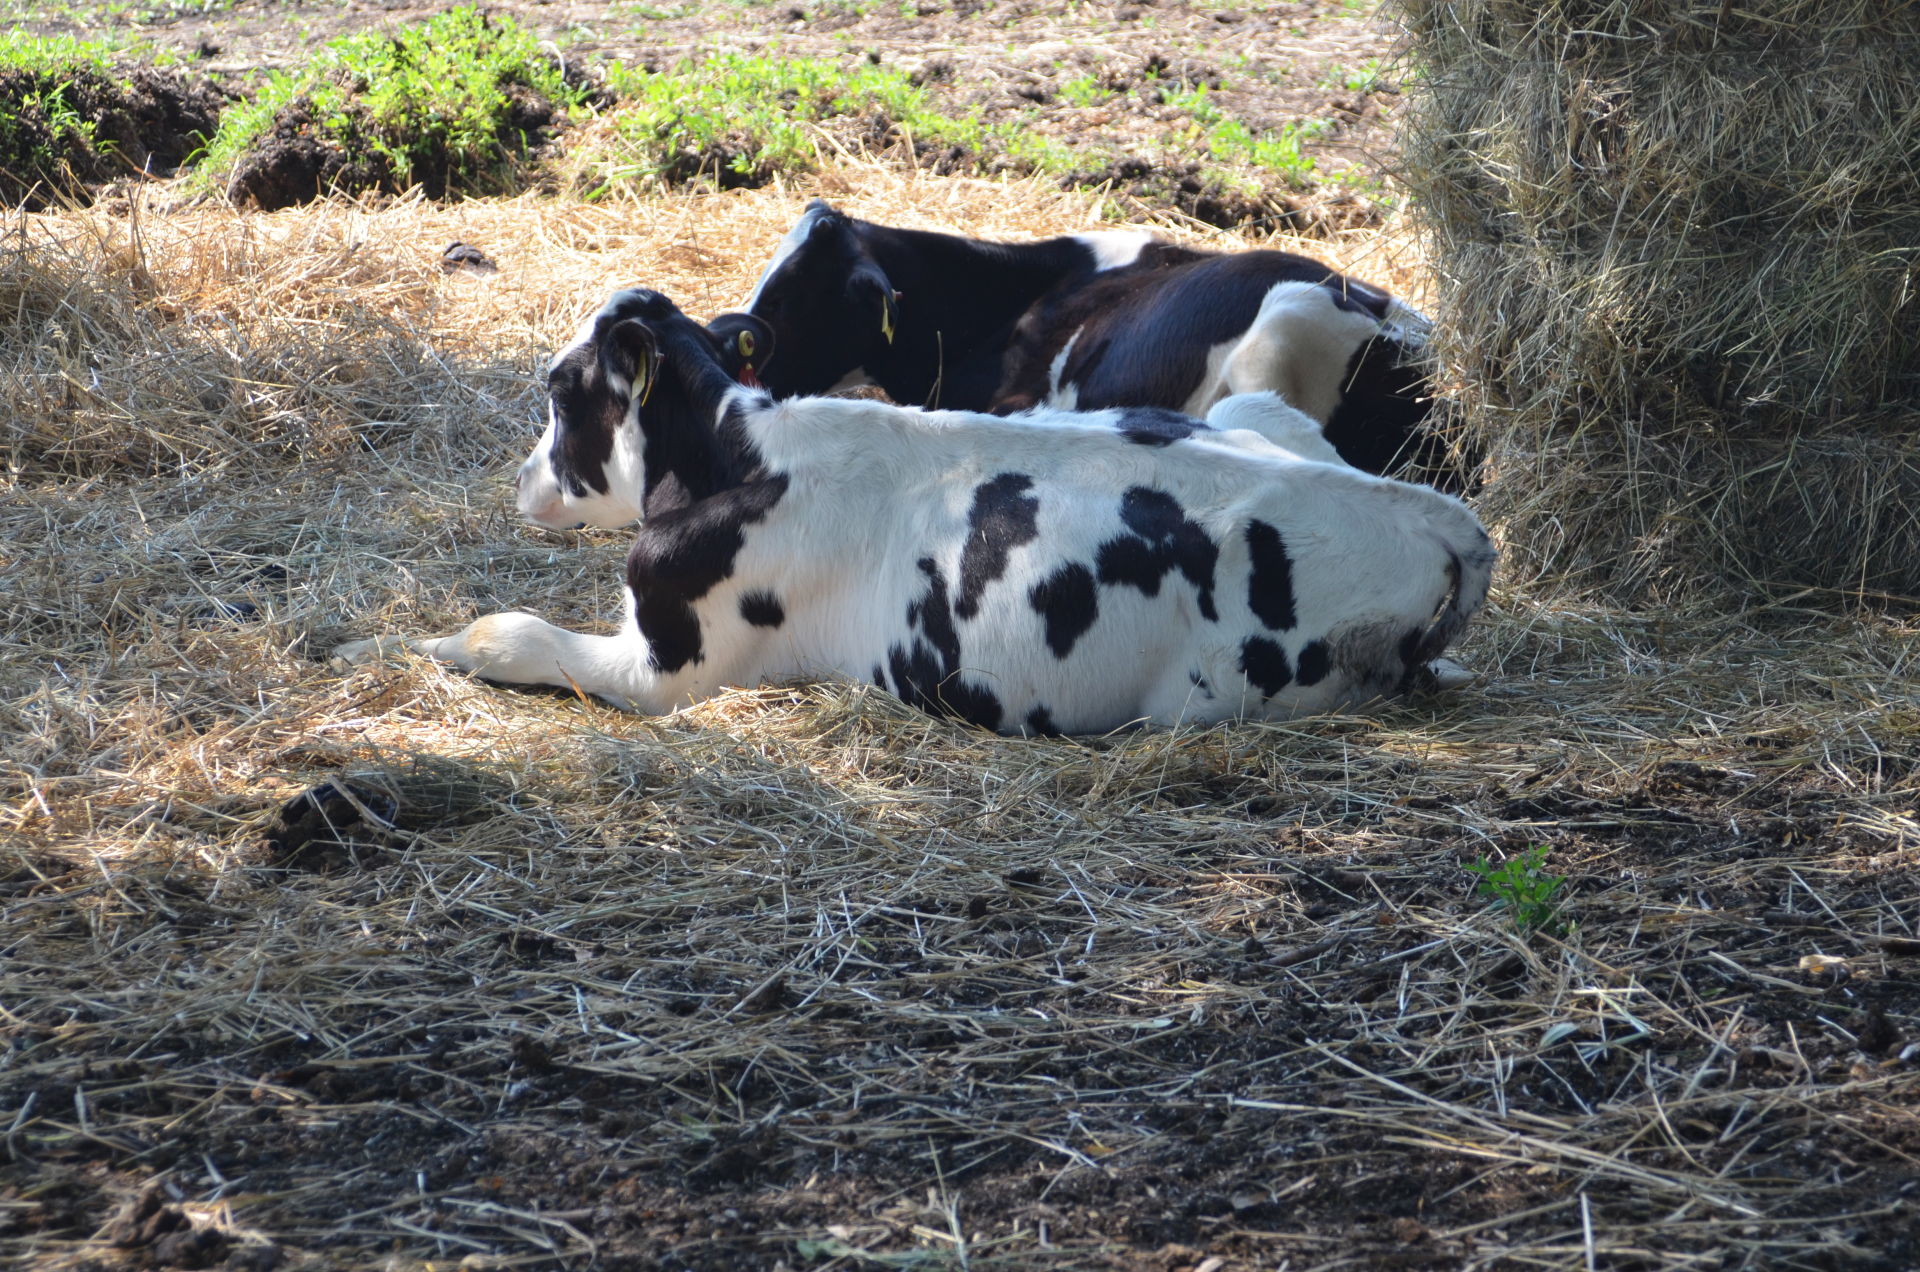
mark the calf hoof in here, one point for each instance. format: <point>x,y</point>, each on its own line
<point>360,652</point>
<point>1448,674</point>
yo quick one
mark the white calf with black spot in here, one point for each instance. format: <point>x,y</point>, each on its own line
<point>1047,574</point>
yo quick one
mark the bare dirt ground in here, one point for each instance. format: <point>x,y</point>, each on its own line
<point>1269,67</point>
<point>309,968</point>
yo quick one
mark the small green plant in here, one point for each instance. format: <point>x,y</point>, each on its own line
<point>1364,78</point>
<point>1083,90</point>
<point>445,103</point>
<point>1197,102</point>
<point>1522,886</point>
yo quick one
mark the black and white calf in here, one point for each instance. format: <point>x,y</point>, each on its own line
<point>1055,573</point>
<point>1110,318</point>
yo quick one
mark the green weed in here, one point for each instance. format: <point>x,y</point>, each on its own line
<point>1197,102</point>
<point>742,116</point>
<point>44,134</point>
<point>1231,142</point>
<point>1364,78</point>
<point>1084,90</point>
<point>52,55</point>
<point>1522,886</point>
<point>738,118</point>
<point>442,103</point>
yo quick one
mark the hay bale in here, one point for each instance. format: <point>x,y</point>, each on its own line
<point>1678,251</point>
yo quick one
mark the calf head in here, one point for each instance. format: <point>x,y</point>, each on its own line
<point>828,302</point>
<point>632,410</point>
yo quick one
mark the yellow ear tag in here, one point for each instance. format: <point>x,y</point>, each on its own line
<point>646,379</point>
<point>745,344</point>
<point>886,321</point>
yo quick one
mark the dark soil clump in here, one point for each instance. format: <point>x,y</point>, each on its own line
<point>292,163</point>
<point>69,132</point>
<point>296,161</point>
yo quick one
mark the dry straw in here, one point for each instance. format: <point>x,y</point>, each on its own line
<point>800,973</point>
<point>1677,247</point>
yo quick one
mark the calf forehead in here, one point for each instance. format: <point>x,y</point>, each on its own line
<point>796,238</point>
<point>583,337</point>
<point>586,337</point>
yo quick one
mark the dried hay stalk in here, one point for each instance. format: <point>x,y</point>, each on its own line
<point>1676,250</point>
<point>555,985</point>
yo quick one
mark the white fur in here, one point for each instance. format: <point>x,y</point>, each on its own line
<point>1114,249</point>
<point>1298,345</point>
<point>1061,398</point>
<point>1271,420</point>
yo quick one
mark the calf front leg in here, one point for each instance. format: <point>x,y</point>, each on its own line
<point>521,649</point>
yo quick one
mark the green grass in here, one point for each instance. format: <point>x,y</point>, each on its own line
<point>43,133</point>
<point>736,119</point>
<point>1084,90</point>
<point>756,110</point>
<point>54,55</point>
<point>1230,142</point>
<point>431,99</point>
<point>740,117</point>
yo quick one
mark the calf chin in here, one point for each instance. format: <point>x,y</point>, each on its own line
<point>1445,673</point>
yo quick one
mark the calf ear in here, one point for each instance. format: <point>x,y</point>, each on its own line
<point>629,352</point>
<point>824,216</point>
<point>874,300</point>
<point>744,343</point>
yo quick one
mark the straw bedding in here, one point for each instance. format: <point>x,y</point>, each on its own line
<point>313,968</point>
<point>1675,252</point>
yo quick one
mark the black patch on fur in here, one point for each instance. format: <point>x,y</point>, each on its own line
<point>1200,682</point>
<point>933,614</point>
<point>686,458</point>
<point>1380,422</point>
<point>1265,665</point>
<point>678,558</point>
<point>1410,649</point>
<point>926,665</point>
<point>1004,517</point>
<point>1040,723</point>
<point>1163,539</point>
<point>588,414</point>
<point>1158,426</point>
<point>879,676</point>
<point>1270,578</point>
<point>1313,664</point>
<point>1069,603</point>
<point>762,609</point>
